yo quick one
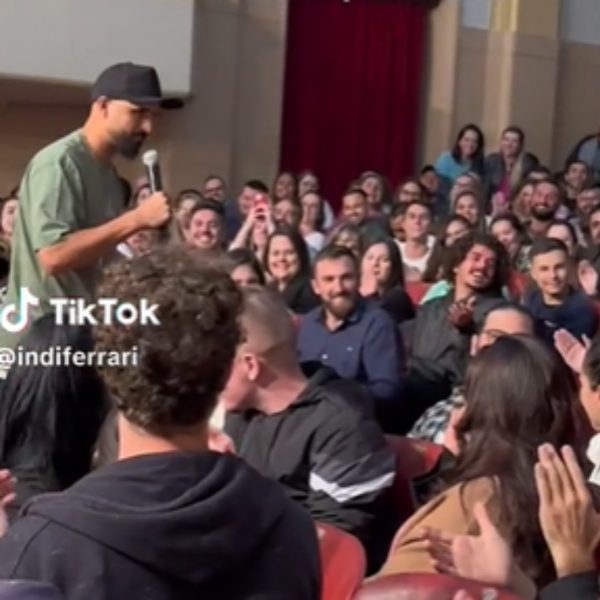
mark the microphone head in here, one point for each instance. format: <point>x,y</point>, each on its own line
<point>150,158</point>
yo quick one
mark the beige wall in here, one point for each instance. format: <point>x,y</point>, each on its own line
<point>578,93</point>
<point>231,125</point>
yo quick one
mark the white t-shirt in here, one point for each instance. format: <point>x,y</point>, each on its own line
<point>416,264</point>
<point>315,241</point>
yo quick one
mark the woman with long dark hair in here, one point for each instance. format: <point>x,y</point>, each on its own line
<point>51,414</point>
<point>287,263</point>
<point>519,394</point>
<point>382,279</point>
<point>467,155</point>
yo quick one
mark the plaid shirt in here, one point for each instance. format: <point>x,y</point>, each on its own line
<point>434,421</point>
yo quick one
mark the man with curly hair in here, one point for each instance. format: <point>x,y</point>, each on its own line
<point>169,519</point>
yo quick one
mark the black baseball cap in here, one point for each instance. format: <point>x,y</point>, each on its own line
<point>137,84</point>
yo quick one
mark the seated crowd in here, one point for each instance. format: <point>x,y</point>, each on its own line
<point>292,341</point>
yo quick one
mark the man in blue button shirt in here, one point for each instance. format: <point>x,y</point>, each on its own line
<point>350,335</point>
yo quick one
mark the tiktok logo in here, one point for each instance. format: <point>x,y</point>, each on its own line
<point>15,317</point>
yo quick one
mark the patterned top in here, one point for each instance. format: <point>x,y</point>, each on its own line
<point>433,423</point>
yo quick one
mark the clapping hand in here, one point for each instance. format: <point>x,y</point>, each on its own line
<point>486,557</point>
<point>588,277</point>
<point>569,522</point>
<point>571,349</point>
<point>460,314</point>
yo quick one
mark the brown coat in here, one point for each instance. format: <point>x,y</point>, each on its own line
<point>450,512</point>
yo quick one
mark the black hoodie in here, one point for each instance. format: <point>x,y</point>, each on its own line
<point>167,526</point>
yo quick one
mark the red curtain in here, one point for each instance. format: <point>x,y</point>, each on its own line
<point>352,89</point>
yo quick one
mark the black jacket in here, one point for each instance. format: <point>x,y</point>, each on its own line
<point>576,587</point>
<point>329,454</point>
<point>299,296</point>
<point>495,170</point>
<point>166,527</point>
<point>439,351</point>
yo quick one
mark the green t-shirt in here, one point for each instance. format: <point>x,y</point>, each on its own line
<point>64,190</point>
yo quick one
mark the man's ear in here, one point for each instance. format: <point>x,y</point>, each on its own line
<point>102,104</point>
<point>252,366</point>
<point>314,286</point>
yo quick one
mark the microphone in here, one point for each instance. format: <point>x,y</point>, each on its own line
<point>152,164</point>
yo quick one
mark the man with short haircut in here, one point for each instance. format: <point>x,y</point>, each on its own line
<point>236,212</point>
<point>169,519</point>
<point>576,177</point>
<point>506,319</point>
<point>316,437</point>
<point>418,245</point>
<point>215,188</point>
<point>476,266</point>
<point>356,339</point>
<point>545,204</point>
<point>355,207</point>
<point>555,304</point>
<point>587,200</point>
<point>71,205</point>
<point>206,229</point>
<point>355,211</point>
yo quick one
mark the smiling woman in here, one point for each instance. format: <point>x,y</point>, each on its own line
<point>287,262</point>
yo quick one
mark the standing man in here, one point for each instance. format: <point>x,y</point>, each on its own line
<point>71,200</point>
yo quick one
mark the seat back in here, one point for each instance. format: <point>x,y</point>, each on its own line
<point>414,458</point>
<point>343,563</point>
<point>426,586</point>
<point>416,291</point>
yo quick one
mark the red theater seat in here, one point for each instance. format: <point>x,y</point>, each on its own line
<point>343,563</point>
<point>516,284</point>
<point>417,290</point>
<point>423,586</point>
<point>413,459</point>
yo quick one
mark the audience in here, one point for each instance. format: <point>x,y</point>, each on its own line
<point>244,268</point>
<point>325,329</point>
<point>506,319</point>
<point>545,204</point>
<point>587,199</point>
<point>166,518</point>
<point>288,265</point>
<point>206,227</point>
<point>350,236</point>
<point>439,338</point>
<point>518,395</point>
<point>508,230</point>
<point>184,204</point>
<point>215,188</point>
<point>504,170</point>
<point>554,304</point>
<point>382,280</point>
<point>311,224</point>
<point>357,339</point>
<point>284,187</point>
<point>466,156</point>
<point>237,212</point>
<point>316,437</point>
<point>418,244</point>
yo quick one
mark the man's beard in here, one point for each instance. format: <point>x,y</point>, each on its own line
<point>542,214</point>
<point>341,311</point>
<point>129,146</point>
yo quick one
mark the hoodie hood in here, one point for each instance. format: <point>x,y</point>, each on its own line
<point>193,518</point>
